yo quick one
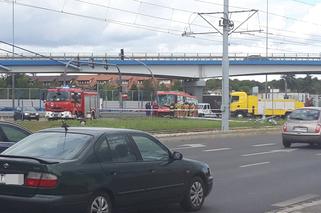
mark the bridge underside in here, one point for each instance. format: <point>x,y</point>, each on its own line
<point>193,72</point>
<point>175,71</point>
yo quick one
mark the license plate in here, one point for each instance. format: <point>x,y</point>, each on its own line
<point>12,179</point>
<point>300,129</point>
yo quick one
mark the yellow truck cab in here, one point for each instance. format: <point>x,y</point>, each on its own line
<point>243,105</point>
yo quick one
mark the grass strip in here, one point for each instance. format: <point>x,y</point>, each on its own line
<point>152,124</point>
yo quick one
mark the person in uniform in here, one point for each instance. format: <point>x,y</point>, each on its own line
<point>176,112</point>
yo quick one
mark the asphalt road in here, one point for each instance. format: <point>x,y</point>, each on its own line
<point>252,173</point>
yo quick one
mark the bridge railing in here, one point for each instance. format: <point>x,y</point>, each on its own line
<point>167,56</point>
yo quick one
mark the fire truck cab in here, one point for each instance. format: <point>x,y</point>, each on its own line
<point>70,103</point>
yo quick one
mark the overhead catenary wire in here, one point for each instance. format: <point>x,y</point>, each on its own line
<point>159,29</point>
<point>189,11</point>
<point>146,27</point>
<point>107,20</point>
<point>302,2</point>
<point>140,26</point>
<point>130,12</point>
<point>264,11</point>
<point>235,7</point>
<point>137,13</point>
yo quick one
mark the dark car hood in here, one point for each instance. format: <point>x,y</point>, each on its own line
<point>195,162</point>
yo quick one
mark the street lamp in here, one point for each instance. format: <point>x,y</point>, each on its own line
<point>155,84</point>
<point>69,64</point>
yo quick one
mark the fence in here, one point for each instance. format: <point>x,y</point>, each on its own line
<point>106,95</point>
<point>22,93</point>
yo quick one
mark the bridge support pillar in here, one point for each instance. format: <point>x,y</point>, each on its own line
<point>195,88</point>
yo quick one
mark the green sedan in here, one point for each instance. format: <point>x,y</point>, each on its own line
<point>97,170</point>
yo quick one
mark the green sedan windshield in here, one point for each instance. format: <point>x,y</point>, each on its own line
<point>50,145</point>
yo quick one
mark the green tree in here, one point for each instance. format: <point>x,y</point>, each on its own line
<point>306,84</point>
<point>148,85</point>
<point>289,81</point>
<point>107,86</point>
<point>213,84</point>
<point>3,82</point>
<point>245,85</point>
<point>134,87</point>
<point>177,86</point>
<point>163,87</point>
<point>23,81</point>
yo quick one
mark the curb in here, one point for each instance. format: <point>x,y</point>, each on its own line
<point>220,133</point>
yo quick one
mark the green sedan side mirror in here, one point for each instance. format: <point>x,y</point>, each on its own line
<point>177,156</point>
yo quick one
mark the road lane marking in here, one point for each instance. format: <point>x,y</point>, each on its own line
<point>255,164</point>
<point>189,146</point>
<point>269,152</point>
<point>265,144</point>
<point>296,200</point>
<point>215,150</point>
<point>297,207</point>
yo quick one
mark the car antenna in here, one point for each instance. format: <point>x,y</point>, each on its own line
<point>65,125</point>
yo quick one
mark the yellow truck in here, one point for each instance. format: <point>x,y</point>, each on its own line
<point>243,105</point>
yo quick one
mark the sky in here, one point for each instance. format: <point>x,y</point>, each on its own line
<point>156,26</point>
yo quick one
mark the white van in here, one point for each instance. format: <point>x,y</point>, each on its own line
<point>204,110</point>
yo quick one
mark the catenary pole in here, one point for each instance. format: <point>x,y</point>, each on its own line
<point>228,28</point>
<point>267,29</point>
<point>13,55</point>
<point>266,54</point>
<point>225,70</point>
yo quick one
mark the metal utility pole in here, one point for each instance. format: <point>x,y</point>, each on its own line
<point>266,54</point>
<point>267,29</point>
<point>120,82</point>
<point>228,29</point>
<point>13,54</point>
<point>225,70</point>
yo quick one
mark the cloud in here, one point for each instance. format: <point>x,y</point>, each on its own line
<point>108,25</point>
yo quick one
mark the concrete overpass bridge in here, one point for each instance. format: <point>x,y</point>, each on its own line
<point>191,67</point>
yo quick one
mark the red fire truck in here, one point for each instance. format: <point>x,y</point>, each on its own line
<point>70,103</point>
<point>166,101</point>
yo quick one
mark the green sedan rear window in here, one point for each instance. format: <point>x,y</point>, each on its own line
<point>50,145</point>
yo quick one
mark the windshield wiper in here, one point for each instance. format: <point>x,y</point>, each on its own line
<point>31,158</point>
